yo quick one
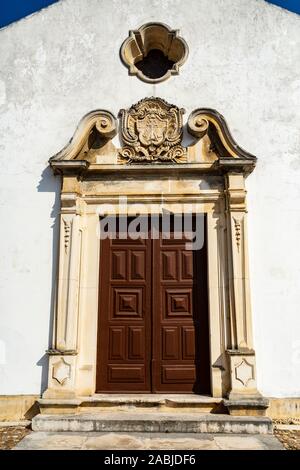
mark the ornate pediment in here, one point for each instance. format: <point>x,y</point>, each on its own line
<point>151,131</point>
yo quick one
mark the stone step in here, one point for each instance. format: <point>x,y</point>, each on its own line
<point>127,421</point>
<point>144,402</point>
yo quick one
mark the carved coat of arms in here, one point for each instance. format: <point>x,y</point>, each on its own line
<point>152,131</point>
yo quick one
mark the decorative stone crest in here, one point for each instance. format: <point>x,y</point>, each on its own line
<point>152,131</point>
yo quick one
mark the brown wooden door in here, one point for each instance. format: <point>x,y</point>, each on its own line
<point>153,317</point>
<point>180,318</point>
<point>124,339</point>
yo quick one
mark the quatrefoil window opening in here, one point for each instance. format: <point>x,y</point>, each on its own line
<point>154,52</point>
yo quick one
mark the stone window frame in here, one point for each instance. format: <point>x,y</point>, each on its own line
<point>154,36</point>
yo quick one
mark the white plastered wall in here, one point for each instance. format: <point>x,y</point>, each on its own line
<point>64,61</point>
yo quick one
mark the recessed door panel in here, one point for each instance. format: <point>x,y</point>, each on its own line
<point>138,265</point>
<point>170,341</point>
<point>116,345</point>
<point>178,375</point>
<point>177,302</point>
<point>118,265</point>
<point>188,342</point>
<point>127,302</point>
<point>186,265</point>
<point>136,342</point>
<point>121,374</point>
<point>169,263</point>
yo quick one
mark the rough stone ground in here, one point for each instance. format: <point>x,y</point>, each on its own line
<point>290,439</point>
<point>11,436</point>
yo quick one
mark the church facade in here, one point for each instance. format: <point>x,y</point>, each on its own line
<point>156,253</point>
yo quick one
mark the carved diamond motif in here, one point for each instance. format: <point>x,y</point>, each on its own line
<point>179,303</point>
<point>61,371</point>
<point>128,302</point>
<point>244,372</point>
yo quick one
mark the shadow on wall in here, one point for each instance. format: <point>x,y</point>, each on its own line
<point>50,184</point>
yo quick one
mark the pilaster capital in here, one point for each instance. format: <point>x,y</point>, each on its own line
<point>235,193</point>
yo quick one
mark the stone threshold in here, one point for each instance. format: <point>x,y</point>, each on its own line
<point>140,402</point>
<point>174,397</point>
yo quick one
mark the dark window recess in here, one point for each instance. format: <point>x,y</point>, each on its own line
<point>155,64</point>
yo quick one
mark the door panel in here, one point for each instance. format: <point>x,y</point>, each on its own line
<point>138,265</point>
<point>117,343</point>
<point>180,323</point>
<point>174,376</point>
<point>188,343</point>
<point>136,342</point>
<point>118,261</point>
<point>124,349</point>
<point>153,317</point>
<point>170,341</point>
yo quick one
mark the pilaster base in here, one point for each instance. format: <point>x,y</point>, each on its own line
<point>246,406</point>
<point>61,378</point>
<point>55,393</point>
<point>244,398</point>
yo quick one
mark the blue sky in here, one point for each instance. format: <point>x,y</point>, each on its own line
<point>13,10</point>
<point>292,5</point>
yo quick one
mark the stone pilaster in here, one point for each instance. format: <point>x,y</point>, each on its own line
<point>63,353</point>
<point>240,353</point>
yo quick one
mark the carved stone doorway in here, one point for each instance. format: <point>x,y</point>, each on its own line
<point>153,169</point>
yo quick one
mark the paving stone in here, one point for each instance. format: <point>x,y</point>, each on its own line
<point>146,441</point>
<point>52,441</point>
<point>239,443</point>
<point>114,441</point>
<point>181,443</point>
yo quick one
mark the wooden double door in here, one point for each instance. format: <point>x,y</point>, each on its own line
<point>153,316</point>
